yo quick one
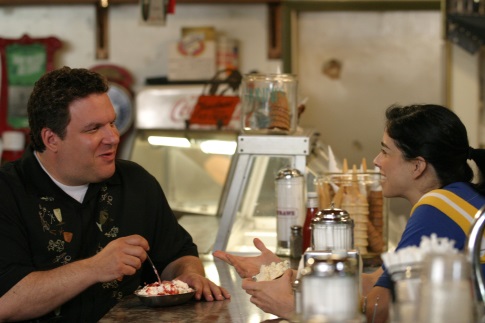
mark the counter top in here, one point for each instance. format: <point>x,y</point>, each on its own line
<point>237,309</point>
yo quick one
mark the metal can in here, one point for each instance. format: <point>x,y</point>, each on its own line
<point>290,206</point>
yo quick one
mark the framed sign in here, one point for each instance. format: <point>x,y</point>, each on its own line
<point>23,61</point>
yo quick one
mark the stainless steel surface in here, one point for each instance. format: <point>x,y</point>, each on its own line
<point>332,215</point>
<point>288,173</point>
<point>354,254</point>
<point>294,147</point>
<point>238,309</point>
<point>332,229</point>
<point>472,251</point>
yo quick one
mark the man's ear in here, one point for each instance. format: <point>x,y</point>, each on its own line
<point>420,166</point>
<point>50,139</point>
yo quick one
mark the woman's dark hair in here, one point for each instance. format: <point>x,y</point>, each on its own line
<point>48,105</point>
<point>436,134</point>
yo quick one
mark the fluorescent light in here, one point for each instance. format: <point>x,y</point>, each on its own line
<point>219,147</point>
<point>169,141</point>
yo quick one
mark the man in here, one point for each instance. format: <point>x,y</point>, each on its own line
<point>76,224</point>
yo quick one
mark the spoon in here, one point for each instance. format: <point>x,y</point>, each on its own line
<point>154,269</point>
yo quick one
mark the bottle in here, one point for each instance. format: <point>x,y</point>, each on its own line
<point>311,211</point>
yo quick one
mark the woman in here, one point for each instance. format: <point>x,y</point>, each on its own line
<point>423,159</point>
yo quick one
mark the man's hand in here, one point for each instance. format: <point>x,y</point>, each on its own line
<point>190,270</point>
<point>121,257</point>
<point>204,287</point>
<point>247,267</point>
<point>44,291</point>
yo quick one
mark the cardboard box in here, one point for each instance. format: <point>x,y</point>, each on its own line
<point>192,58</point>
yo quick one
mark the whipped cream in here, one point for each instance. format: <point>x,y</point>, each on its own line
<point>165,288</point>
<point>274,270</point>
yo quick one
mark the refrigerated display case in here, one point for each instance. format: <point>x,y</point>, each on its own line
<point>225,196</point>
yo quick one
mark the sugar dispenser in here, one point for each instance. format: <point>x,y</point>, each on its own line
<point>330,289</point>
<point>332,229</point>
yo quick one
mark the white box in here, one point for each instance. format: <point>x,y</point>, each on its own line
<point>192,59</point>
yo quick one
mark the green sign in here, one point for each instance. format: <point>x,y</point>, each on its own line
<point>25,65</point>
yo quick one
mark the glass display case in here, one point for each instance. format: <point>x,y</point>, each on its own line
<point>219,182</point>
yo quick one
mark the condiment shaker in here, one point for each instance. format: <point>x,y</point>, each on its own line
<point>332,229</point>
<point>290,206</point>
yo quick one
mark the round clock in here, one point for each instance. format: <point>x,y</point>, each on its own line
<point>119,92</point>
<point>123,105</point>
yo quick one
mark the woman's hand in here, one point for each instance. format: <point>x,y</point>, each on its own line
<point>247,267</point>
<point>275,296</point>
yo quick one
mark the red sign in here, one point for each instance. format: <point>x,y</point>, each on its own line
<point>214,110</point>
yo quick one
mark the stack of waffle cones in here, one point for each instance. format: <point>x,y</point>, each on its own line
<point>279,111</point>
<point>363,203</point>
<point>355,203</point>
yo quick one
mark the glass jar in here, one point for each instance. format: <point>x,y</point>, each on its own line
<point>330,289</point>
<point>332,229</point>
<point>268,103</point>
<point>360,194</point>
<point>290,206</point>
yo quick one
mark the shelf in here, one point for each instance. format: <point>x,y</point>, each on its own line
<point>466,30</point>
<point>102,23</point>
<point>64,2</point>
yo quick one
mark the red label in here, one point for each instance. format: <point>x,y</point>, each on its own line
<point>214,109</point>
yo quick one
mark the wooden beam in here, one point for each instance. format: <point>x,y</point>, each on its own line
<point>69,2</point>
<point>102,50</point>
<point>274,30</point>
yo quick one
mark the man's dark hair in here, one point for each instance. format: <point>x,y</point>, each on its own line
<point>48,105</point>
